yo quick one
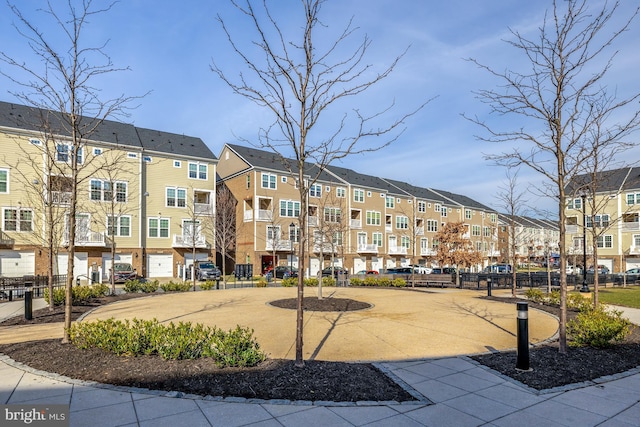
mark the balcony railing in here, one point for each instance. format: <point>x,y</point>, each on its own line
<point>571,229</point>
<point>325,248</point>
<point>279,245</point>
<point>313,221</point>
<point>356,223</point>
<point>5,240</point>
<point>264,215</point>
<point>634,250</point>
<point>91,238</point>
<point>364,248</point>
<point>60,197</point>
<point>397,250</point>
<point>203,208</point>
<point>630,226</point>
<point>248,215</point>
<point>427,252</point>
<point>419,231</point>
<point>181,241</point>
<point>388,228</point>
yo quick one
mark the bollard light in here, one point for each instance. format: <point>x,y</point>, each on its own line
<point>522,361</point>
<point>489,286</point>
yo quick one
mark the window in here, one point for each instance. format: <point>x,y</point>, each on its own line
<point>475,230</point>
<point>294,234</point>
<point>373,218</point>
<point>119,226</point>
<point>4,180</point>
<point>577,203</point>
<point>283,179</point>
<point>358,195</point>
<point>132,155</point>
<point>147,159</point>
<point>97,151</point>
<point>273,232</point>
<point>315,190</point>
<point>636,240</point>
<point>18,220</point>
<point>444,211</point>
<point>422,206</point>
<point>35,141</point>
<point>377,239</point>
<point>198,171</point>
<point>177,164</point>
<point>432,225</point>
<point>341,192</point>
<point>289,208</point>
<point>605,241</point>
<point>493,217</point>
<point>269,181</point>
<point>405,242</point>
<point>332,215</point>
<point>248,181</point>
<point>437,207</point>
<point>176,197</point>
<point>486,231</point>
<point>368,193</point>
<point>158,227</point>
<point>389,202</point>
<point>102,191</point>
<point>64,152</point>
<point>424,245</point>
<point>402,222</point>
<point>467,213</point>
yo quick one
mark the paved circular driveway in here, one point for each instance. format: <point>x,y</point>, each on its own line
<point>401,325</point>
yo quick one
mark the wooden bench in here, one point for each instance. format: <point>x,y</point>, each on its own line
<point>440,280</point>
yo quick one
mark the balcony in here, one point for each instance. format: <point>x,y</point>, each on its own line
<point>202,209</point>
<point>364,248</point>
<point>280,245</point>
<point>634,250</point>
<point>388,228</point>
<point>325,248</point>
<point>571,229</point>
<point>89,238</point>
<point>248,215</point>
<point>396,250</point>
<point>313,221</point>
<point>5,240</point>
<point>630,226</point>
<point>264,215</point>
<point>60,197</point>
<point>181,241</point>
<point>419,231</point>
<point>356,223</point>
<point>427,252</point>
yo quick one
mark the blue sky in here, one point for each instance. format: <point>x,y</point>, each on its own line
<point>170,45</point>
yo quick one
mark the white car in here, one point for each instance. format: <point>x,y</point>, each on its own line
<point>420,269</point>
<point>573,270</point>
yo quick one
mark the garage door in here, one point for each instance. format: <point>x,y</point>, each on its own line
<point>159,265</point>
<point>376,263</point>
<point>17,263</point>
<point>106,262</point>
<point>359,264</point>
<point>315,266</point>
<point>607,263</point>
<point>80,265</point>
<point>632,263</point>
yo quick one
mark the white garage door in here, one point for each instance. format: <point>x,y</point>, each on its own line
<point>159,265</point>
<point>106,262</point>
<point>633,263</point>
<point>315,266</point>
<point>607,263</point>
<point>359,264</point>
<point>376,263</point>
<point>17,263</point>
<point>80,265</point>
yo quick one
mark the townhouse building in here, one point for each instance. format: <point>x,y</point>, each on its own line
<point>358,221</point>
<point>535,239</point>
<point>148,193</point>
<point>611,218</point>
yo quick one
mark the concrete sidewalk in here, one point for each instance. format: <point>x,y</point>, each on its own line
<point>453,391</point>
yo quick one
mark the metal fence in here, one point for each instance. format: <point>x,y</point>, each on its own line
<point>531,280</point>
<point>13,287</point>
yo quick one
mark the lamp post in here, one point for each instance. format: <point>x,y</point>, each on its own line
<point>585,286</point>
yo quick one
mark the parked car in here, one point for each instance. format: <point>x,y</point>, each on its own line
<point>573,269</point>
<point>284,272</point>
<point>206,270</point>
<point>367,272</point>
<point>498,268</point>
<point>602,269</point>
<point>399,270</point>
<point>336,270</point>
<point>122,272</point>
<point>421,269</point>
<point>631,276</point>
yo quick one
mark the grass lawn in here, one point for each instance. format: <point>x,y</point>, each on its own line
<point>627,297</point>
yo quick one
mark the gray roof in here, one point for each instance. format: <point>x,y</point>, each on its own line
<point>419,192</point>
<point>606,181</point>
<point>109,132</point>
<point>463,200</point>
<point>366,181</point>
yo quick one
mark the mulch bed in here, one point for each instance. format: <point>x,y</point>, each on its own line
<point>317,380</point>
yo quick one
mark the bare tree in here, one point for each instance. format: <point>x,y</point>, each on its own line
<point>555,100</point>
<point>225,226</point>
<point>62,81</point>
<point>512,202</point>
<point>299,84</point>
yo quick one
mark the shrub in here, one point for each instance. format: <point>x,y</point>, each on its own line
<point>132,286</point>
<point>262,282</point>
<point>578,302</point>
<point>535,295</point>
<point>554,298</point>
<point>176,287</point>
<point>371,281</point>
<point>356,281</point>
<point>150,286</point>
<point>289,282</point>
<point>207,285</point>
<point>237,347</point>
<point>383,281</point>
<point>597,327</point>
<point>399,282</point>
<point>328,281</point>
<point>310,281</point>
<point>79,294</point>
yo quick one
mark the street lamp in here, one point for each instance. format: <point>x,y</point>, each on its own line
<point>585,286</point>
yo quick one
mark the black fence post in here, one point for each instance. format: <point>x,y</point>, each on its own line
<point>28,302</point>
